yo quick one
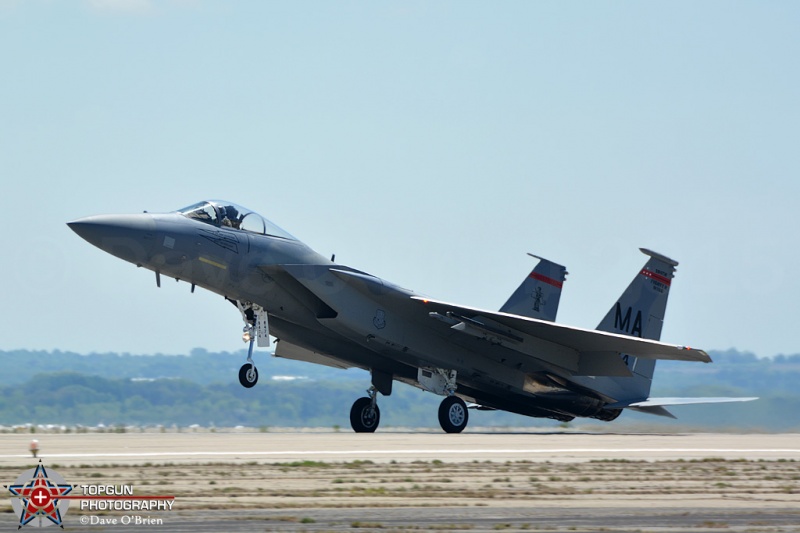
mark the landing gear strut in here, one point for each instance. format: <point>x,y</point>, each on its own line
<point>255,327</point>
<point>248,374</point>
<point>365,415</point>
<point>453,414</point>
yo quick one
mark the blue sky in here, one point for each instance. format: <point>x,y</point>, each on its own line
<point>429,143</point>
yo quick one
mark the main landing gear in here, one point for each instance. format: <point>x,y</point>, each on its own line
<point>453,414</point>
<point>365,414</point>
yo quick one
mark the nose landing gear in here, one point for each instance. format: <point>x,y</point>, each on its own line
<point>248,374</point>
<point>255,328</point>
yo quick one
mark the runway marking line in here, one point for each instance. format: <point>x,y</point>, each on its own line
<point>419,452</point>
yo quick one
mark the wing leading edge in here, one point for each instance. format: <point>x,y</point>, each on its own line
<point>592,351</point>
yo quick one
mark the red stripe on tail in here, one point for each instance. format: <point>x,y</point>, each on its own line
<point>545,279</point>
<point>656,277</point>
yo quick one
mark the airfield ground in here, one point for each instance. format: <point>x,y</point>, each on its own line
<point>421,481</point>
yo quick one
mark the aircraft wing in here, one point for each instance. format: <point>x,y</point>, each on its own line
<point>580,351</point>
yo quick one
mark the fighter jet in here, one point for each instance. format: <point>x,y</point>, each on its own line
<point>516,359</point>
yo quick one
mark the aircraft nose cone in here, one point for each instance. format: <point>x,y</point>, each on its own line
<point>129,237</point>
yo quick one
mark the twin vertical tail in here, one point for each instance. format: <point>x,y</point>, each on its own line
<point>539,293</point>
<point>639,312</point>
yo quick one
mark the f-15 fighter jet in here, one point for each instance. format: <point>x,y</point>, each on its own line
<point>516,359</point>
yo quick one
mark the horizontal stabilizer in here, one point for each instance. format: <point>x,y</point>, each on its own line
<point>655,406</point>
<point>653,402</point>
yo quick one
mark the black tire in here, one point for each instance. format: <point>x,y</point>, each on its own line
<point>247,378</point>
<point>453,414</point>
<point>363,418</point>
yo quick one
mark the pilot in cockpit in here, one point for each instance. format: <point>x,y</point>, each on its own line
<point>229,216</point>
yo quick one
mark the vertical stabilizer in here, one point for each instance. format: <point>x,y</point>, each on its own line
<point>539,293</point>
<point>639,312</point>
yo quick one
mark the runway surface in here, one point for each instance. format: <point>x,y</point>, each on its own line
<point>232,446</point>
<point>427,480</point>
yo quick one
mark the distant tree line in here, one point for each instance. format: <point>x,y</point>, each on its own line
<point>202,388</point>
<point>198,366</point>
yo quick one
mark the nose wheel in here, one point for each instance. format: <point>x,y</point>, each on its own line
<point>255,329</point>
<point>248,375</point>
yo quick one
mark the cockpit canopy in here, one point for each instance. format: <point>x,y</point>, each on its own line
<point>230,215</point>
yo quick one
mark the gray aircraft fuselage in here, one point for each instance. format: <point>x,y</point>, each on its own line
<point>333,314</point>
